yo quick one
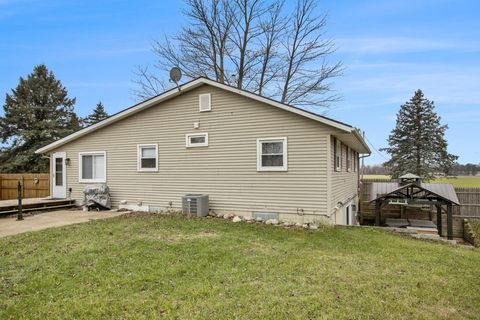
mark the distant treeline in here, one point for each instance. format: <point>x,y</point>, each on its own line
<point>469,169</point>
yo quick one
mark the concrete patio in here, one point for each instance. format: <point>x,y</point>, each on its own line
<point>10,226</point>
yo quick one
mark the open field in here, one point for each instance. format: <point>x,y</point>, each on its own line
<point>459,182</point>
<point>174,267</point>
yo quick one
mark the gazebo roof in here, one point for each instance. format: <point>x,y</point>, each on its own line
<point>434,191</point>
<point>410,176</point>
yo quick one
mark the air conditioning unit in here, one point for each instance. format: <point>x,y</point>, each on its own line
<point>195,204</point>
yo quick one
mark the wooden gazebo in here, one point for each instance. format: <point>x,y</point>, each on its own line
<point>412,191</point>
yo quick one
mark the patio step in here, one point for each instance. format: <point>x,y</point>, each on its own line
<point>9,207</point>
<point>420,230</point>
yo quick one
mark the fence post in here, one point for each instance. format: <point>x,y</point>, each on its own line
<point>23,185</point>
<point>1,190</point>
<point>19,189</point>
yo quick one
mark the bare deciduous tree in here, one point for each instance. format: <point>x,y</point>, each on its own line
<point>272,30</point>
<point>250,44</point>
<point>246,29</point>
<point>304,82</point>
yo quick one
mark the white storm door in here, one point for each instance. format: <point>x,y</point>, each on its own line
<point>59,178</point>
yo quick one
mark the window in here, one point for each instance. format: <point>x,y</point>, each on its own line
<point>92,166</point>
<point>337,150</point>
<point>196,140</point>
<point>272,154</point>
<point>204,102</point>
<point>355,161</point>
<point>147,157</point>
<point>349,159</point>
<point>59,172</point>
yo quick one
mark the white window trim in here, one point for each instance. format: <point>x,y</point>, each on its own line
<point>355,160</point>
<point>338,149</point>
<point>200,102</point>
<point>285,154</point>
<point>80,166</point>
<point>349,159</point>
<point>139,157</point>
<point>195,145</point>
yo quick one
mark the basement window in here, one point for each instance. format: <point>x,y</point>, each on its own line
<point>92,166</point>
<point>196,140</point>
<point>147,157</point>
<point>272,154</point>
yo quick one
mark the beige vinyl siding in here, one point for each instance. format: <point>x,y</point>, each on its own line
<point>226,169</point>
<point>343,184</point>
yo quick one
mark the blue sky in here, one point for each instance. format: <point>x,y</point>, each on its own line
<point>389,48</point>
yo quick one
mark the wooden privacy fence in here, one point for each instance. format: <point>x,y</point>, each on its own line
<point>35,185</point>
<point>470,201</point>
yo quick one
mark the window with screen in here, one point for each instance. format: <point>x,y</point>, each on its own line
<point>337,150</point>
<point>92,167</point>
<point>349,159</point>
<point>272,154</point>
<point>147,157</point>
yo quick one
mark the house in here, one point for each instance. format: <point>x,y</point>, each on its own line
<point>250,154</point>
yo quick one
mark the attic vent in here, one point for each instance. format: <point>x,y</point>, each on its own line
<point>205,102</point>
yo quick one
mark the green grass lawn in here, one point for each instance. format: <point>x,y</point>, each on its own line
<point>148,267</point>
<point>460,181</point>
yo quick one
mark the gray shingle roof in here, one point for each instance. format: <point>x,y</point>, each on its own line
<point>443,190</point>
<point>410,176</point>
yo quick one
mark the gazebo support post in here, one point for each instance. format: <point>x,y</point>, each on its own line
<point>377,213</point>
<point>450,221</point>
<point>439,219</point>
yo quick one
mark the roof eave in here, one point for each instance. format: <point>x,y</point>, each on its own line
<point>362,141</point>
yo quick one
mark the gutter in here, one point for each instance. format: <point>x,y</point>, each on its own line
<point>362,141</point>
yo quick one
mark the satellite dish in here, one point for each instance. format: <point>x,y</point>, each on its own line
<point>175,74</point>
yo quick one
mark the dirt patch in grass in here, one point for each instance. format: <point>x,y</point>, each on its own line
<point>184,237</point>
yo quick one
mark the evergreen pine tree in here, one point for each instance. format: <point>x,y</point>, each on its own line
<point>97,115</point>
<point>37,112</point>
<point>417,144</point>
<point>75,123</point>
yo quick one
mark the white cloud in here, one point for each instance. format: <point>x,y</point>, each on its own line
<point>396,85</point>
<point>401,44</point>
<point>462,116</point>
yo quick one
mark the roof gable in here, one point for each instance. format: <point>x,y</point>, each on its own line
<point>345,128</point>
